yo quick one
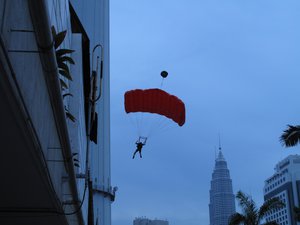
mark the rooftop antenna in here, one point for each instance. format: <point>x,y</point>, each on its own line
<point>220,143</point>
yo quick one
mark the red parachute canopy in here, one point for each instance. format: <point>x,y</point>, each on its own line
<point>155,101</point>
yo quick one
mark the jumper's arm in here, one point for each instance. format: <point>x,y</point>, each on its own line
<point>142,140</point>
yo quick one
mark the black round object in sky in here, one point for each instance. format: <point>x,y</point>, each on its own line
<point>164,74</point>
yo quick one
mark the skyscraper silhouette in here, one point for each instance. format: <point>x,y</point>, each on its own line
<point>222,204</point>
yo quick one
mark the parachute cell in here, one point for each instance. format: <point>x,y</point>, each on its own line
<point>155,101</point>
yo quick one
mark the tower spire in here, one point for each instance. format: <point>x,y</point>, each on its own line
<point>220,143</point>
<point>220,154</point>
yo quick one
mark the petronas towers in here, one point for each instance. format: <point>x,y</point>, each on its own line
<point>222,204</point>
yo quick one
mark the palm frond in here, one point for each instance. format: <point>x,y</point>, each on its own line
<point>65,68</point>
<point>249,208</point>
<point>70,116</point>
<point>273,203</point>
<point>67,94</point>
<point>63,51</point>
<point>53,30</point>
<point>59,38</point>
<point>245,202</point>
<point>65,73</point>
<point>236,219</point>
<point>297,213</point>
<point>271,223</point>
<point>290,136</point>
<point>67,59</point>
<point>251,216</point>
<point>63,84</point>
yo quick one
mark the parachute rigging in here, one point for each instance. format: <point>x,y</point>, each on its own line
<point>160,107</point>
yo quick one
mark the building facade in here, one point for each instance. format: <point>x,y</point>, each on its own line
<point>284,184</point>
<point>94,16</point>
<point>145,221</point>
<point>55,129</point>
<point>222,202</point>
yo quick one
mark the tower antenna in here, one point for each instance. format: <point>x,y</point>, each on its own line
<point>220,142</point>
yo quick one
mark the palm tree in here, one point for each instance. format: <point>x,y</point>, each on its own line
<point>291,136</point>
<point>297,213</point>
<point>251,214</point>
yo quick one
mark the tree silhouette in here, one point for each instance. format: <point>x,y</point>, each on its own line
<point>251,214</point>
<point>290,136</point>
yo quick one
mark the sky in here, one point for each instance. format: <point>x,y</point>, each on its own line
<point>235,65</point>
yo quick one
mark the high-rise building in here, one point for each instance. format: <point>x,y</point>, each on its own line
<point>222,204</point>
<point>55,112</point>
<point>145,221</point>
<point>284,184</point>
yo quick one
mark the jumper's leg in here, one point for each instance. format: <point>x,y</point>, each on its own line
<point>134,154</point>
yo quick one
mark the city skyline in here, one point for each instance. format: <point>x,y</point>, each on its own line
<point>212,67</point>
<point>235,66</point>
<point>147,221</point>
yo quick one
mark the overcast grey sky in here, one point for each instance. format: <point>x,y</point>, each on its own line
<point>236,65</point>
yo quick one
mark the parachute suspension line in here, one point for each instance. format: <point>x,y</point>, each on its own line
<point>149,123</point>
<point>162,82</point>
<point>141,124</point>
<point>155,124</point>
<point>163,74</point>
<point>138,123</point>
<point>133,121</point>
<point>167,127</point>
<point>160,125</point>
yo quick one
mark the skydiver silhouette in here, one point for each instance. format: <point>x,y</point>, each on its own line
<point>139,146</point>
